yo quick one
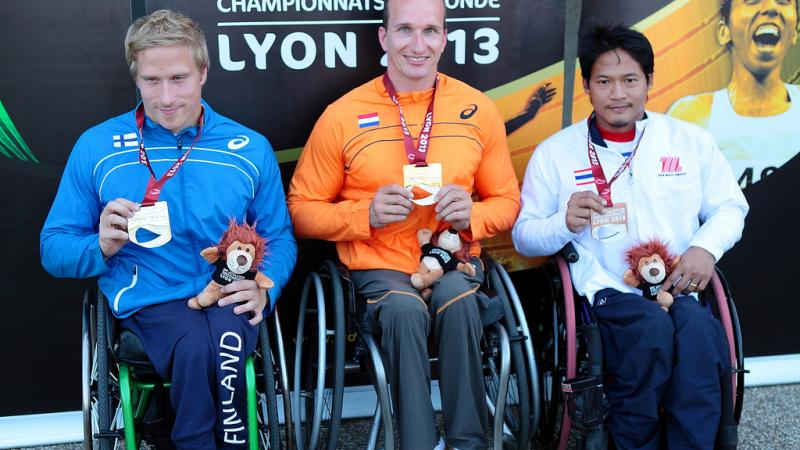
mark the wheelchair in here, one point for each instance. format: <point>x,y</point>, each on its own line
<point>331,313</point>
<point>570,351</point>
<point>119,382</point>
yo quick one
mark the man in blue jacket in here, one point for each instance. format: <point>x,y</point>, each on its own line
<point>142,194</point>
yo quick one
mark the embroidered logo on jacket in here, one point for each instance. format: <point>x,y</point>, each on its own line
<point>125,140</point>
<point>469,111</point>
<point>238,142</point>
<point>368,120</point>
<point>671,167</point>
<point>584,177</point>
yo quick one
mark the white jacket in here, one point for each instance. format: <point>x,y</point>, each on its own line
<point>694,202</point>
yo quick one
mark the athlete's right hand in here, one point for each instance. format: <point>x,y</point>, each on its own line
<point>392,203</point>
<point>580,207</point>
<point>114,225</point>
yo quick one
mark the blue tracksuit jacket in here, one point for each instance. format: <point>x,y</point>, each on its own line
<point>231,173</point>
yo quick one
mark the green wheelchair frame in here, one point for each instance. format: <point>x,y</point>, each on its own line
<point>117,391</point>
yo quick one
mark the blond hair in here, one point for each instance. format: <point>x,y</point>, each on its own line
<point>165,28</point>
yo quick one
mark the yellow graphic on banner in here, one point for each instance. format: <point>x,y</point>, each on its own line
<point>689,59</point>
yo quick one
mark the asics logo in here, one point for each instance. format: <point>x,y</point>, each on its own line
<point>469,111</point>
<point>238,142</point>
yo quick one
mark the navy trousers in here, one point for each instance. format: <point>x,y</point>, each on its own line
<point>202,353</point>
<point>656,359</point>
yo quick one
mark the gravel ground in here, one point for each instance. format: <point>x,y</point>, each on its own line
<point>770,420</point>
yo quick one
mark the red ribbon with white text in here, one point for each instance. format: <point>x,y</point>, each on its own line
<point>416,155</point>
<point>603,185</point>
<point>153,190</point>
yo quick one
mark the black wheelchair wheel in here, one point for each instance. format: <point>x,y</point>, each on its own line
<point>523,333</point>
<point>500,391</point>
<point>283,380</point>
<point>336,292</point>
<point>737,345</point>
<point>550,342</point>
<point>737,412</point>
<point>319,363</point>
<point>89,385</point>
<point>269,430</point>
<point>98,396</point>
<point>517,412</point>
<point>383,422</point>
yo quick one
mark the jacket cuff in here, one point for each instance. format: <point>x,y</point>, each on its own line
<point>715,250</point>
<point>360,220</point>
<point>564,233</point>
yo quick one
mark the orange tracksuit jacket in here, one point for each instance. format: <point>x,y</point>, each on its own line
<point>342,166</point>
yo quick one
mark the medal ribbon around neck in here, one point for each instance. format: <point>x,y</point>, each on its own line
<point>416,155</point>
<point>603,185</point>
<point>153,190</point>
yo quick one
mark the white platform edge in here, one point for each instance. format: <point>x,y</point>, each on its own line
<point>61,427</point>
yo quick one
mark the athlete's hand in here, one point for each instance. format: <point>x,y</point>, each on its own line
<point>580,207</point>
<point>251,298</point>
<point>113,227</point>
<point>692,273</point>
<point>454,206</point>
<point>392,203</point>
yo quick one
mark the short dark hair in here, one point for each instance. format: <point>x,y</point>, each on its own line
<point>603,38</point>
<point>725,9</point>
<point>386,14</point>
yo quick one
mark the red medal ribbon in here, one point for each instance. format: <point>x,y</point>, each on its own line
<point>416,155</point>
<point>153,190</point>
<point>604,186</point>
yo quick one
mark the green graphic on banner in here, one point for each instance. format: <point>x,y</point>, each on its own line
<point>11,143</point>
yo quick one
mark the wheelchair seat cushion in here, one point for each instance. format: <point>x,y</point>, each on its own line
<point>131,351</point>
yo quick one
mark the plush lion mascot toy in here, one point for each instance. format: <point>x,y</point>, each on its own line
<point>237,256</point>
<point>649,264</point>
<point>441,253</point>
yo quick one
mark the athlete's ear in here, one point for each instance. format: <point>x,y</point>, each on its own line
<point>723,33</point>
<point>650,81</point>
<point>382,37</point>
<point>586,86</point>
<point>203,75</point>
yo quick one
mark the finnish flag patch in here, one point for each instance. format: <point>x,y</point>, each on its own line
<point>125,140</point>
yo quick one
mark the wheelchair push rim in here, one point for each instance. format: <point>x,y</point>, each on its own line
<point>319,363</point>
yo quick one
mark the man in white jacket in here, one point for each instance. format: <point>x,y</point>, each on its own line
<point>623,176</point>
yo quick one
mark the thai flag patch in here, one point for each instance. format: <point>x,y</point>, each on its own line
<point>584,177</point>
<point>368,120</point>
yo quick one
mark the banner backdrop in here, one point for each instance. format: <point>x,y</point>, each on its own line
<point>275,65</point>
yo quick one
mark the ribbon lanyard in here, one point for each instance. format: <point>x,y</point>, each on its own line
<point>416,155</point>
<point>153,190</point>
<point>603,186</point>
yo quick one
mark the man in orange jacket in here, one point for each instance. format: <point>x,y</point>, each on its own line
<point>412,127</point>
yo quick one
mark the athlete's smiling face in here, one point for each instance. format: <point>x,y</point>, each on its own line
<point>760,32</point>
<point>413,39</point>
<point>171,84</point>
<point>618,90</point>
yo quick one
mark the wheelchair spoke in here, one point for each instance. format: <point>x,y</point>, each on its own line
<point>327,401</point>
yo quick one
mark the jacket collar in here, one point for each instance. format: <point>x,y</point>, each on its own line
<point>597,138</point>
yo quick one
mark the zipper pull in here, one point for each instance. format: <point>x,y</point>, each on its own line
<point>180,143</point>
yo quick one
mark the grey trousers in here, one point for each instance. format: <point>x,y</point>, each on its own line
<point>403,321</point>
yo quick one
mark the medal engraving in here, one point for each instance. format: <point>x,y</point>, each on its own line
<point>611,225</point>
<point>424,181</point>
<point>154,219</point>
